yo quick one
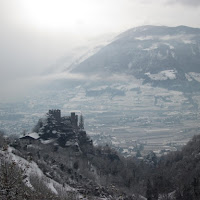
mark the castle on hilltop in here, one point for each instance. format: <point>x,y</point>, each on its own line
<point>64,131</point>
<point>56,114</point>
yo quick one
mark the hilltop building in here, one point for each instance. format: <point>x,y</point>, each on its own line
<point>29,138</point>
<point>56,114</point>
<point>62,131</point>
<point>73,119</point>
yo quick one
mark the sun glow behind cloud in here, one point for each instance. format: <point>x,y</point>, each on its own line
<point>61,15</point>
<point>96,17</point>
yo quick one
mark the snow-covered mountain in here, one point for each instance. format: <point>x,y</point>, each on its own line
<point>163,56</point>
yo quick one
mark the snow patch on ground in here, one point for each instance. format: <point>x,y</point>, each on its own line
<point>31,168</point>
<point>188,77</point>
<point>48,141</point>
<point>169,45</point>
<point>163,75</point>
<point>125,151</point>
<point>187,39</point>
<point>148,37</point>
<point>115,142</point>
<point>195,76</point>
<point>153,47</point>
<point>51,187</point>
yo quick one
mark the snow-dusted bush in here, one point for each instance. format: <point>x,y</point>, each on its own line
<point>12,182</point>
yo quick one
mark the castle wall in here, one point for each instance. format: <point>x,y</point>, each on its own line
<point>56,114</point>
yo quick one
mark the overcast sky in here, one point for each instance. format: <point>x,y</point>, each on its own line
<point>34,34</point>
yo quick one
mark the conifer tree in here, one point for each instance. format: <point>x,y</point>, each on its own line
<point>81,122</point>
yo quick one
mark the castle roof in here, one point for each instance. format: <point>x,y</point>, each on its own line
<point>33,136</point>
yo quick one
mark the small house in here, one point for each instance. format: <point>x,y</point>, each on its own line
<point>29,138</point>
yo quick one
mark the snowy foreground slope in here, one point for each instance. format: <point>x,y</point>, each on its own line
<point>32,169</point>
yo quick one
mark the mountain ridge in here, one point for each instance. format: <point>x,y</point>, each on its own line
<point>150,49</point>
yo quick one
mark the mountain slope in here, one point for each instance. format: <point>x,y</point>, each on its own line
<point>164,56</point>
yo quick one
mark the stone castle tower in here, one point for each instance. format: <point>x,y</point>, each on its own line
<point>74,120</point>
<point>56,114</point>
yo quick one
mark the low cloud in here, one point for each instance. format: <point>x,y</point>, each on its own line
<point>75,77</point>
<point>17,89</point>
<point>57,76</point>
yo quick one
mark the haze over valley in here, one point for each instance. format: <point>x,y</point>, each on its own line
<point>138,89</point>
<point>100,100</point>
